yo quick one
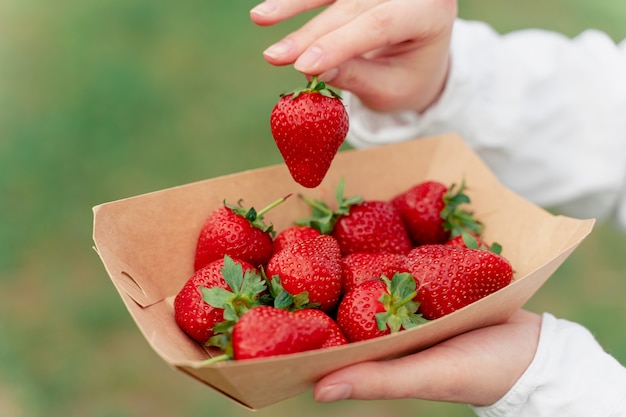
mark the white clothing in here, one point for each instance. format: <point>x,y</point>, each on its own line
<point>570,376</point>
<point>548,115</point>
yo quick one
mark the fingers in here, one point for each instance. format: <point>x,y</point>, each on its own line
<point>477,368</point>
<point>271,12</point>
<point>413,80</point>
<point>347,29</point>
<point>386,24</point>
<point>337,15</point>
<point>410,377</point>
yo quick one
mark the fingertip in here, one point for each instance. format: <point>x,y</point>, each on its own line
<point>308,62</point>
<point>263,10</point>
<point>332,392</point>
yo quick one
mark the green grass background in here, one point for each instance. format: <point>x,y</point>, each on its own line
<point>101,100</point>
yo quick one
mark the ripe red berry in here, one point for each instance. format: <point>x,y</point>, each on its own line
<point>309,126</point>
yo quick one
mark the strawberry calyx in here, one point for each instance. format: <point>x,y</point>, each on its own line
<point>400,306</point>
<point>256,217</point>
<point>313,86</point>
<point>457,220</point>
<point>471,242</point>
<point>283,299</point>
<point>248,290</point>
<point>323,218</point>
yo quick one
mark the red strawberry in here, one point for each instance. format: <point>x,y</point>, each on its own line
<point>235,231</point>
<point>293,234</point>
<point>372,226</point>
<point>450,278</point>
<point>309,126</point>
<point>431,212</point>
<point>268,331</point>
<point>312,266</point>
<point>195,316</point>
<point>466,240</point>
<point>360,226</point>
<point>379,307</point>
<point>359,267</point>
<point>335,335</point>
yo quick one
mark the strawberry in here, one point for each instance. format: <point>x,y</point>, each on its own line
<point>467,240</point>
<point>268,331</point>
<point>240,285</point>
<point>450,278</point>
<point>235,231</point>
<point>372,226</point>
<point>309,126</point>
<point>312,266</point>
<point>358,267</point>
<point>432,213</point>
<point>358,225</point>
<point>379,307</point>
<point>290,235</point>
<point>335,335</point>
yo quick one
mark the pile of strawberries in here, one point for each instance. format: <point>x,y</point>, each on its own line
<point>365,269</point>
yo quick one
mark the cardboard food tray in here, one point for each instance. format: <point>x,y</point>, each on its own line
<point>147,244</point>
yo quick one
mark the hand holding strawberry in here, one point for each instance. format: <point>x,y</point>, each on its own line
<point>309,125</point>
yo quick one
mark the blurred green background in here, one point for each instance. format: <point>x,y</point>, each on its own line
<point>101,100</point>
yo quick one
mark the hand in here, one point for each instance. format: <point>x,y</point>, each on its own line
<point>476,368</point>
<point>394,55</point>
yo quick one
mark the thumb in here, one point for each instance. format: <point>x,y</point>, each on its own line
<point>412,376</point>
<point>476,368</point>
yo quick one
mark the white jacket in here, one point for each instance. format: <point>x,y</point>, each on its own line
<point>548,115</point>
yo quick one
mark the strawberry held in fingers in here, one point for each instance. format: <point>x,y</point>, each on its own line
<point>238,232</point>
<point>450,278</point>
<point>309,126</point>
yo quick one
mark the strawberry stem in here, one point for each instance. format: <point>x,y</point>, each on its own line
<point>215,359</point>
<point>272,205</point>
<point>313,82</point>
<point>316,204</point>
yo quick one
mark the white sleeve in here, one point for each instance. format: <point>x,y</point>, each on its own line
<point>546,113</point>
<point>571,376</point>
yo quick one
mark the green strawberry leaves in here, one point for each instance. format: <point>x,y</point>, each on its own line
<point>400,308</point>
<point>314,86</point>
<point>456,219</point>
<point>323,218</point>
<point>284,300</point>
<point>248,290</point>
<point>256,217</point>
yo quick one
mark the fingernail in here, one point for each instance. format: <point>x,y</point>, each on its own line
<point>264,9</point>
<point>335,392</point>
<point>279,49</point>
<point>308,59</point>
